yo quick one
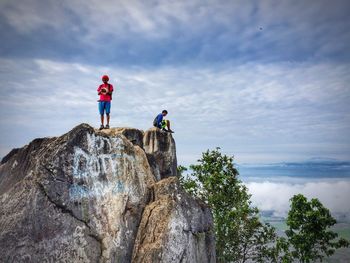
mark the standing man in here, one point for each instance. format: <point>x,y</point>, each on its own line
<point>105,91</point>
<point>161,123</point>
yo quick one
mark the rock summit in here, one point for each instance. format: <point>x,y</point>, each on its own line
<point>100,196</point>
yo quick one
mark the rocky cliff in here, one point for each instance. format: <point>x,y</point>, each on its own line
<point>100,196</point>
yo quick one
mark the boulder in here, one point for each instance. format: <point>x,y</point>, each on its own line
<point>82,197</point>
<point>174,227</point>
<point>161,152</point>
<point>135,136</point>
<point>85,197</point>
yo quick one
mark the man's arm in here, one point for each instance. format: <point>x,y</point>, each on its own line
<point>110,89</point>
<point>99,90</point>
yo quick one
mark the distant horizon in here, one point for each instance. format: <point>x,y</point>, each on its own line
<point>311,160</point>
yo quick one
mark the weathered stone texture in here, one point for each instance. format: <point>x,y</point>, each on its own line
<point>161,152</point>
<point>85,197</point>
<point>174,228</point>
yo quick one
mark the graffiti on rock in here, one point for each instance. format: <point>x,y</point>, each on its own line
<point>98,170</point>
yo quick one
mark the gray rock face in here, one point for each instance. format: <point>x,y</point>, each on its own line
<point>84,197</point>
<point>174,228</point>
<point>161,153</point>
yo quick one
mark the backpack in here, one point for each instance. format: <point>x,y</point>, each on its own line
<point>155,124</point>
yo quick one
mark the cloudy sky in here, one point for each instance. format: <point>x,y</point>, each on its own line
<point>267,81</point>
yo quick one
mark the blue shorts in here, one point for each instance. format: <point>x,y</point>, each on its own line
<point>104,106</point>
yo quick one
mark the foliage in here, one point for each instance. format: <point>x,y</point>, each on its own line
<point>240,236</point>
<point>308,236</point>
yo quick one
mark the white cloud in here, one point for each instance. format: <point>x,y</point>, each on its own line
<point>315,28</point>
<point>275,196</point>
<point>281,109</point>
<point>30,15</point>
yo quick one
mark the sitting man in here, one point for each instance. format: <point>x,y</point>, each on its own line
<point>161,123</point>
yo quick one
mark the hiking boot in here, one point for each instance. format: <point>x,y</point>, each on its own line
<point>165,130</point>
<point>107,126</point>
<point>101,127</point>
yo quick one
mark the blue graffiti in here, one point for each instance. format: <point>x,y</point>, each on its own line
<point>116,155</point>
<point>118,188</point>
<point>78,191</point>
<point>82,191</point>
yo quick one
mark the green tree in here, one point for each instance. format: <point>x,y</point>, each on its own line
<point>240,236</point>
<point>309,237</point>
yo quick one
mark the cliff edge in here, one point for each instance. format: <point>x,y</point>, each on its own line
<point>100,196</point>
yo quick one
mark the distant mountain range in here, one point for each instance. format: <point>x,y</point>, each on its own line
<point>316,167</point>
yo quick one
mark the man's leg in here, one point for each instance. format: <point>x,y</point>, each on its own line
<point>101,109</point>
<point>168,125</point>
<point>108,110</point>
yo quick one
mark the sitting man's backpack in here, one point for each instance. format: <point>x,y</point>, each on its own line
<point>155,124</point>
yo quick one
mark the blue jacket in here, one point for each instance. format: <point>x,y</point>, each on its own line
<point>159,120</point>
